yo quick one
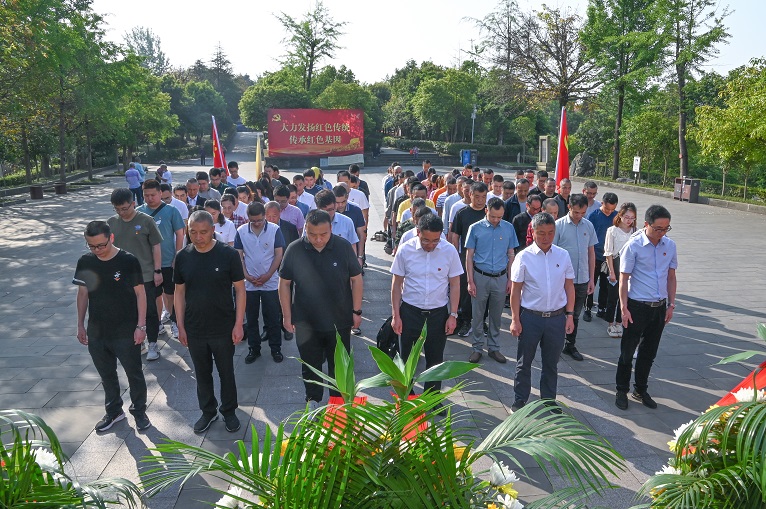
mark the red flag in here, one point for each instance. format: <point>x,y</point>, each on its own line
<point>562,160</point>
<point>760,383</point>
<point>219,159</point>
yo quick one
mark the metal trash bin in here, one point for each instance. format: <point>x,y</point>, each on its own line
<point>60,187</point>
<point>36,192</point>
<point>469,156</point>
<point>687,189</point>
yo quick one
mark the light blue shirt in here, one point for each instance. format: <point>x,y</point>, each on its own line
<point>648,266</point>
<point>491,245</point>
<point>576,239</point>
<point>448,203</point>
<point>343,226</point>
<point>168,221</point>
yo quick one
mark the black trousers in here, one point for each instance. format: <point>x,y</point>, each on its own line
<point>268,302</point>
<point>314,347</point>
<point>613,311</point>
<point>152,318</point>
<point>105,353</point>
<point>218,352</point>
<point>648,324</point>
<point>435,319</point>
<point>602,286</point>
<point>465,307</point>
<point>581,294</point>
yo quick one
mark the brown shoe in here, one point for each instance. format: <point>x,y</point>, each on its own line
<point>474,357</point>
<point>496,355</point>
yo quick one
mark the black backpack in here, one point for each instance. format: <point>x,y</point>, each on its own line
<point>387,339</point>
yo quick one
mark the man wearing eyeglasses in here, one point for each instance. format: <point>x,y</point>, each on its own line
<point>260,245</point>
<point>136,233</point>
<point>425,289</point>
<point>111,290</point>
<point>648,265</point>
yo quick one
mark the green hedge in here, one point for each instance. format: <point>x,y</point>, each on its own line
<point>504,152</point>
<point>13,180</point>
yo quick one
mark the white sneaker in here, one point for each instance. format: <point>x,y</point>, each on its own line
<point>144,349</point>
<point>614,331</point>
<point>174,329</point>
<point>165,318</point>
<point>154,353</point>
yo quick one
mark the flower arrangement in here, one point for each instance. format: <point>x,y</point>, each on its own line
<point>32,470</point>
<point>720,457</point>
<point>394,453</point>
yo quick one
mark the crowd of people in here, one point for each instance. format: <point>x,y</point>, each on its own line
<point>214,255</point>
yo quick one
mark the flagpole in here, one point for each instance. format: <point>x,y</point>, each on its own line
<point>258,161</point>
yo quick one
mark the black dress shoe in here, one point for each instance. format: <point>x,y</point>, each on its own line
<point>517,405</point>
<point>587,316</point>
<point>621,401</point>
<point>251,356</point>
<point>278,357</point>
<point>644,398</point>
<point>571,351</point>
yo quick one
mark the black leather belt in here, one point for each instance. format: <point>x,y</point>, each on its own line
<point>489,274</point>
<point>546,314</point>
<point>651,304</point>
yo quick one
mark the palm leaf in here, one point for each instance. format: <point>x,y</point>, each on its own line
<point>557,440</point>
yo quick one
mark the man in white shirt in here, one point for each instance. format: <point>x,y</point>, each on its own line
<point>234,177</point>
<point>426,290</point>
<point>306,198</point>
<point>496,187</point>
<point>355,196</point>
<point>542,300</point>
<point>169,199</point>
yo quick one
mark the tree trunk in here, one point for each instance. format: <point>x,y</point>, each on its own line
<point>683,152</point>
<point>45,165</point>
<point>617,126</point>
<point>25,146</point>
<point>89,154</point>
<point>62,132</point>
<point>744,191</point>
<point>723,182</point>
<point>665,171</point>
<point>124,158</point>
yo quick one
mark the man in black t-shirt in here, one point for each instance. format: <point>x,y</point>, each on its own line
<point>209,324</point>
<point>322,265</point>
<point>465,217</point>
<point>111,290</point>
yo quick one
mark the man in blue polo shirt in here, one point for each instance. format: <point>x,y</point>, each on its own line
<point>648,265</point>
<point>577,235</point>
<point>260,245</point>
<point>489,255</point>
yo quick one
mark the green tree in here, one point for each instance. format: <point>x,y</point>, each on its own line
<point>441,105</point>
<point>652,133</point>
<point>353,96</point>
<point>257,100</point>
<point>735,135</point>
<point>147,45</point>
<point>693,29</point>
<point>329,75</point>
<point>622,38</point>
<point>310,40</point>
<point>201,102</point>
<point>524,128</point>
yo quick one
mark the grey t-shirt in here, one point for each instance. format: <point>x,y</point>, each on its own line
<point>137,237</point>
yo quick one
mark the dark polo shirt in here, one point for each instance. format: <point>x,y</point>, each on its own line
<point>322,298</point>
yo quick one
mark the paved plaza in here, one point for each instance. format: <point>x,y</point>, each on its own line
<point>43,368</point>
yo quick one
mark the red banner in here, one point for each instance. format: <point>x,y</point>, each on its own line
<point>303,132</point>
<point>219,158</point>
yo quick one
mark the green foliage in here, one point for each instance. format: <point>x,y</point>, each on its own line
<point>200,102</point>
<point>32,473</point>
<point>147,45</point>
<point>257,100</point>
<point>442,105</point>
<point>340,94</point>
<point>392,454</point>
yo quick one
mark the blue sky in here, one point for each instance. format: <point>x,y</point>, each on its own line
<point>379,36</point>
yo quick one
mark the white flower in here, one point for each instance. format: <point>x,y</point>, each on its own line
<point>228,500</point>
<point>500,475</point>
<point>748,395</point>
<point>667,469</point>
<point>46,459</point>
<point>679,431</point>
<point>508,502</point>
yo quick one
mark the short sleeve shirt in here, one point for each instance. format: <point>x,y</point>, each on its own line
<point>576,239</point>
<point>168,221</point>
<point>544,276</point>
<point>112,305</point>
<point>322,298</point>
<point>258,249</point>
<point>137,237</point>
<point>648,266</point>
<point>491,244</point>
<point>426,274</point>
<point>208,278</point>
<point>466,217</point>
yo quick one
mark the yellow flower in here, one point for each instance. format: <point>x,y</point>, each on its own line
<point>508,490</point>
<point>459,452</point>
<point>491,505</point>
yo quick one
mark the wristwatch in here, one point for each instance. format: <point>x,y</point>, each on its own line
<point>453,315</point>
<point>158,271</point>
<point>672,305</point>
<point>357,312</point>
<point>141,327</point>
<point>568,313</point>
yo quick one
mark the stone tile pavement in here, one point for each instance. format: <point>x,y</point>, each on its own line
<point>45,370</point>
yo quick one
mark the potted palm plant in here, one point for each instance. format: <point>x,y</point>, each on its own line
<point>32,470</point>
<point>394,453</point>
